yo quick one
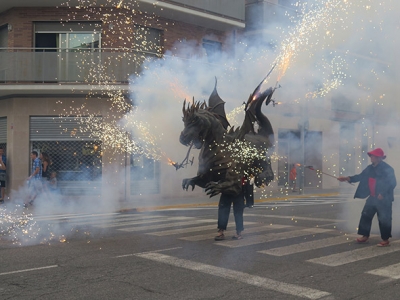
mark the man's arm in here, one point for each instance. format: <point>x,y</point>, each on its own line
<point>37,170</point>
<point>2,164</point>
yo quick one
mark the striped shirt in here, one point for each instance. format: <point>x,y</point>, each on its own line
<point>37,163</point>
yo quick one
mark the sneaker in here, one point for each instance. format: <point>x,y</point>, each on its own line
<point>383,243</point>
<point>237,237</point>
<point>362,240</point>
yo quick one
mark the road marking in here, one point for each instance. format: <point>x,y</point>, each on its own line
<point>29,270</point>
<point>207,236</point>
<point>266,283</point>
<point>190,229</point>
<point>311,245</point>
<point>94,219</point>
<point>144,221</point>
<point>355,255</point>
<point>259,239</point>
<point>176,224</point>
<point>76,216</point>
<point>392,271</point>
<point>295,218</point>
<point>153,251</point>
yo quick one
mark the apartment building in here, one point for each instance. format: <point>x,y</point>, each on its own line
<point>59,62</point>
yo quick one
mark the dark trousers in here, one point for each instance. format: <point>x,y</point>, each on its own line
<point>383,209</point>
<point>248,194</point>
<point>224,209</point>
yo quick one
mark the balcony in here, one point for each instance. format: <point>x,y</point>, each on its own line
<point>78,66</point>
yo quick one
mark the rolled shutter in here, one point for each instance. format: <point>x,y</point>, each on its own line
<point>61,128</point>
<point>3,130</point>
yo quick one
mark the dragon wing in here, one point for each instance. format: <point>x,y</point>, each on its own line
<point>217,106</point>
<point>254,114</point>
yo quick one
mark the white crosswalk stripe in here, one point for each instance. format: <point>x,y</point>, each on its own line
<point>347,257</point>
<point>174,224</point>
<point>228,233</point>
<point>190,229</point>
<point>258,239</point>
<point>392,271</point>
<point>96,219</point>
<point>294,218</point>
<point>143,221</point>
<point>311,245</point>
<point>262,282</point>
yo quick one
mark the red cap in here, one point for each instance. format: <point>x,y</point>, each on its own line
<point>378,152</point>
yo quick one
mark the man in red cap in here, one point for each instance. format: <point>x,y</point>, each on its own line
<point>377,182</point>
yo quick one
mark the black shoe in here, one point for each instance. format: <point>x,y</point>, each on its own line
<point>1,201</point>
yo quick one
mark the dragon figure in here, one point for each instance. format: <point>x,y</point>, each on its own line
<point>226,156</point>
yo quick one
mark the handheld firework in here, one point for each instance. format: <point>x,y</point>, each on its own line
<point>185,161</point>
<point>320,172</point>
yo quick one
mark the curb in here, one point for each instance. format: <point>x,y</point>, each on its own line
<point>272,199</point>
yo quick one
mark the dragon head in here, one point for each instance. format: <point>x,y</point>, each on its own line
<point>196,124</point>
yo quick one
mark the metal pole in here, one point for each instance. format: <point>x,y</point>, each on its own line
<point>302,162</point>
<point>303,126</point>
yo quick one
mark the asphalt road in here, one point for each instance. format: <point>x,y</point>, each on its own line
<point>299,249</point>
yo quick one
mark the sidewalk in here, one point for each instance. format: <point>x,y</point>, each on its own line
<point>259,197</point>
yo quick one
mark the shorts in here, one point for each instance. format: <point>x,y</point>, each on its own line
<point>35,186</point>
<point>2,183</point>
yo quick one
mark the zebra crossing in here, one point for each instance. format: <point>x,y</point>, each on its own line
<point>259,232</point>
<point>184,227</point>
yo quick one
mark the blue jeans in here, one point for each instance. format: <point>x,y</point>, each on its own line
<point>224,209</point>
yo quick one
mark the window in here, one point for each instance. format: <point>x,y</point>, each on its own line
<point>145,175</point>
<point>213,49</point>
<point>148,39</point>
<point>3,36</point>
<point>61,49</point>
<point>53,36</point>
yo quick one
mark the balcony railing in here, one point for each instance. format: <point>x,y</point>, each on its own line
<point>45,65</point>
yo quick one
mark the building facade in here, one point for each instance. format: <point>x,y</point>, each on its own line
<point>58,63</point>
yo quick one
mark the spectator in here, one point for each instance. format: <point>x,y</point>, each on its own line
<point>53,182</point>
<point>35,180</point>
<point>224,209</point>
<point>46,162</point>
<point>293,177</point>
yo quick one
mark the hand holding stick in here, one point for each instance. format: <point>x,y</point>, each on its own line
<point>347,179</point>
